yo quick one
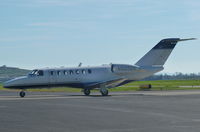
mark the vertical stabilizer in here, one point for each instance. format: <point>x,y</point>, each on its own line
<point>159,54</point>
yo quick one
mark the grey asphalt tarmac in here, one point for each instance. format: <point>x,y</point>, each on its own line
<point>148,111</point>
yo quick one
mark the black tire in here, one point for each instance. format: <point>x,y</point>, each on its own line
<point>22,94</point>
<point>104,92</point>
<point>87,92</point>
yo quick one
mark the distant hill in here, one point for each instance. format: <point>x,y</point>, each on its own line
<point>7,73</point>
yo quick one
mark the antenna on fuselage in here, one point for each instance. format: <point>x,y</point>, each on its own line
<point>80,64</point>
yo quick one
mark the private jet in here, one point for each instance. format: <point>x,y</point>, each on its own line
<point>97,77</point>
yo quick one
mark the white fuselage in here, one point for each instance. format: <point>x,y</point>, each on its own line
<point>82,77</point>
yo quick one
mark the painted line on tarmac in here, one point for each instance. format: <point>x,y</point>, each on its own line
<point>172,93</point>
<point>41,97</point>
<point>161,93</point>
<point>115,95</point>
<point>4,96</point>
<point>38,98</point>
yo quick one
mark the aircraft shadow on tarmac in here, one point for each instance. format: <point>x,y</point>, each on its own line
<point>88,96</point>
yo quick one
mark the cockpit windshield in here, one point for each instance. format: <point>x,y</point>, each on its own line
<point>36,73</point>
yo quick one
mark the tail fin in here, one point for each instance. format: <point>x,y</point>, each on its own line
<point>160,53</point>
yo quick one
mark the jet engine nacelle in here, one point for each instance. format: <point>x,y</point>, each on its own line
<point>123,69</point>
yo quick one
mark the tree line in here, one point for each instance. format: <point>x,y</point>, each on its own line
<point>175,76</point>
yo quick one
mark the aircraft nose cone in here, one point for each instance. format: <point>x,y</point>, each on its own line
<point>13,82</point>
<point>5,84</point>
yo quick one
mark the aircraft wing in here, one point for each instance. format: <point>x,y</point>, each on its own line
<point>106,84</point>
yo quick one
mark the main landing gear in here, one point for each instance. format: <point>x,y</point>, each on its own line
<point>22,94</point>
<point>103,91</point>
<point>86,92</point>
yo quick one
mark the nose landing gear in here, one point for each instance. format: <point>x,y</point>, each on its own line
<point>22,94</point>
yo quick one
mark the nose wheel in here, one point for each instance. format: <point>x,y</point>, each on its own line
<point>22,94</point>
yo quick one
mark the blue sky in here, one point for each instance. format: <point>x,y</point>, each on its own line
<point>54,33</point>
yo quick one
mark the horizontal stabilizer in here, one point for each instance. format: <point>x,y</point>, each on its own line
<point>187,39</point>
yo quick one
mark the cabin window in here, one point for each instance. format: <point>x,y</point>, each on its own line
<point>51,73</point>
<point>58,73</point>
<point>65,72</point>
<point>77,71</point>
<point>89,71</point>
<point>70,72</point>
<point>83,72</point>
<point>33,72</point>
<point>40,73</point>
<point>37,73</point>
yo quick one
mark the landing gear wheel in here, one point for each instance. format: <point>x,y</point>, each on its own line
<point>87,92</point>
<point>104,92</point>
<point>22,94</point>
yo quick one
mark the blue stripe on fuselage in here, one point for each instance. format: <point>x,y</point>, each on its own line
<point>74,85</point>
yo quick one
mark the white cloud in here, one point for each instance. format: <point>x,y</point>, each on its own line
<point>68,24</point>
<point>70,2</point>
<point>24,38</point>
<point>38,3</point>
<point>55,2</point>
<point>44,24</point>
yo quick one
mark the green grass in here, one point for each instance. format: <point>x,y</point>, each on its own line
<point>134,86</point>
<point>166,84</point>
